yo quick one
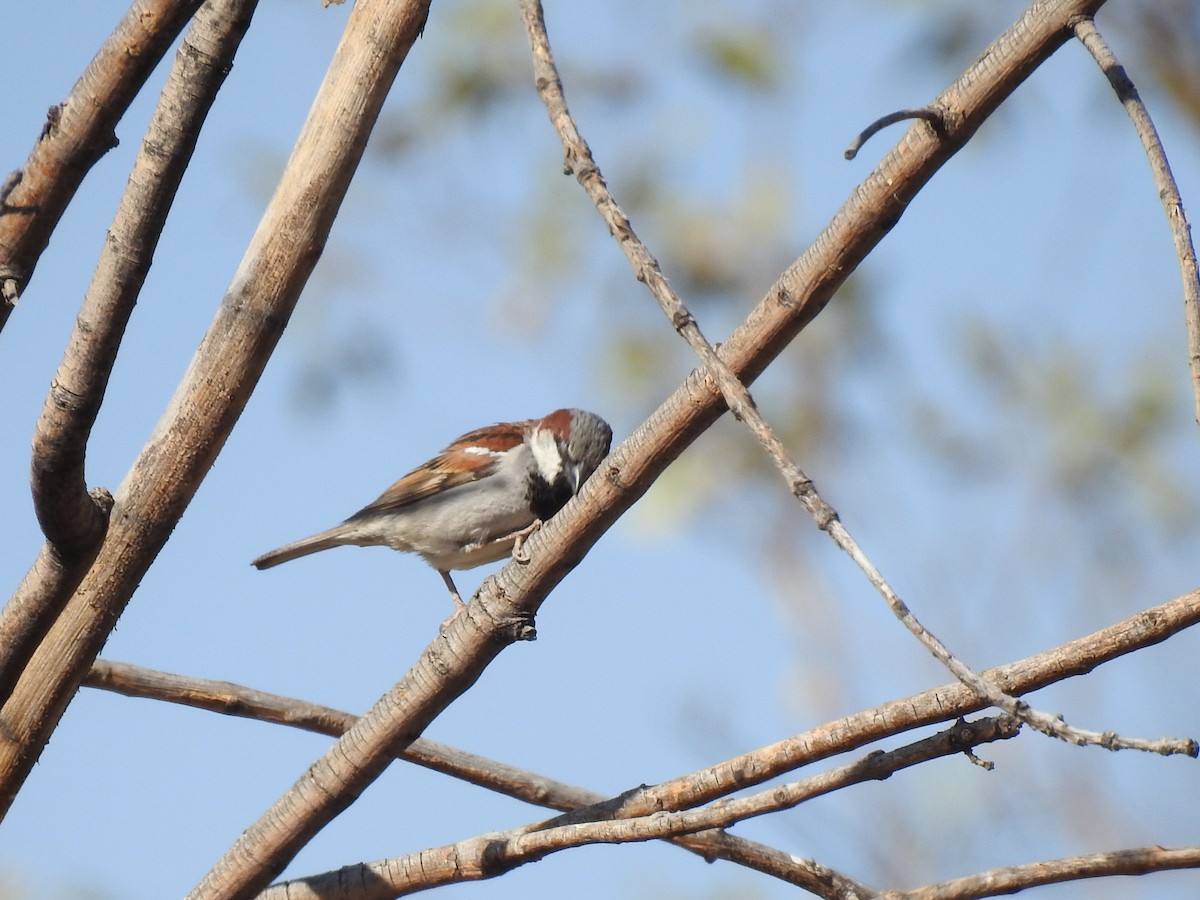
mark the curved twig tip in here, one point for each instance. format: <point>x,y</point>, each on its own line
<point>931,116</point>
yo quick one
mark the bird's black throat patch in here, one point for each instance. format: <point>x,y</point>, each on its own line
<point>547,497</point>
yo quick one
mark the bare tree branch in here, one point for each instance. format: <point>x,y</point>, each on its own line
<point>72,519</point>
<point>1168,190</point>
<point>1140,861</point>
<point>579,161</point>
<point>231,699</point>
<point>78,132</point>
<point>1077,657</point>
<point>235,700</point>
<point>494,854</point>
<point>213,392</point>
<point>504,607</point>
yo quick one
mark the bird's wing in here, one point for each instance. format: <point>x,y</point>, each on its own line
<point>473,456</point>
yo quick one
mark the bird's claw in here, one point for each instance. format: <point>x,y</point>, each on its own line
<point>519,553</point>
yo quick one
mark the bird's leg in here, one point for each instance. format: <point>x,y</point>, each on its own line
<point>518,550</point>
<point>459,606</point>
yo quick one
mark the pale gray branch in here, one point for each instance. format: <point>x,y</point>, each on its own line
<point>932,116</point>
<point>1077,657</point>
<point>1168,190</point>
<point>493,854</point>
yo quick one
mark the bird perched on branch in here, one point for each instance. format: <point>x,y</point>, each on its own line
<point>477,500</point>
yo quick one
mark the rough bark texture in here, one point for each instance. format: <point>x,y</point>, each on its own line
<point>218,382</point>
<point>78,132</point>
<point>73,519</point>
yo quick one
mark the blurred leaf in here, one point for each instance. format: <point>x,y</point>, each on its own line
<point>747,55</point>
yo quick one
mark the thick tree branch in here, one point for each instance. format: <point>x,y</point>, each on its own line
<point>1168,190</point>
<point>72,519</point>
<point>505,605</point>
<point>78,132</point>
<point>218,382</point>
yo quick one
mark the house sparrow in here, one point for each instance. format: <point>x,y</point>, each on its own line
<point>477,500</point>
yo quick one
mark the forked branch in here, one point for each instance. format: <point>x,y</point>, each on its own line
<point>579,161</point>
<point>74,519</point>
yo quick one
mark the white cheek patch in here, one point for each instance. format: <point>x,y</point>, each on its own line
<point>545,455</point>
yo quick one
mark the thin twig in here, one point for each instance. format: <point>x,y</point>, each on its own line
<point>1138,861</point>
<point>579,161</point>
<point>1168,190</point>
<point>232,699</point>
<point>932,116</point>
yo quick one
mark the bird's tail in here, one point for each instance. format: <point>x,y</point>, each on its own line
<point>334,537</point>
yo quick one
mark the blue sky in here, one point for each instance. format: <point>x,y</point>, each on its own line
<point>678,642</point>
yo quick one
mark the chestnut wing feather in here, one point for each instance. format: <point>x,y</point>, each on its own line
<point>473,456</point>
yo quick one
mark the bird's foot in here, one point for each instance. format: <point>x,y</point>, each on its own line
<point>518,551</point>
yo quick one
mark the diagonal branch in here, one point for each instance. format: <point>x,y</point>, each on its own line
<point>231,699</point>
<point>235,700</point>
<point>1010,880</point>
<point>73,520</point>
<point>1168,190</point>
<point>1077,657</point>
<point>580,162</point>
<point>78,132</point>
<point>490,855</point>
